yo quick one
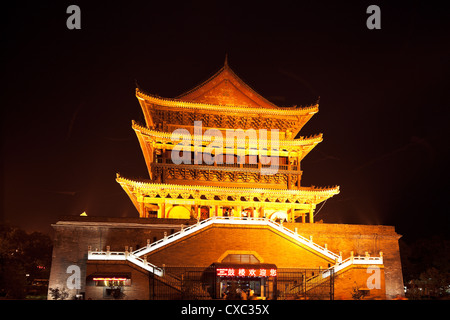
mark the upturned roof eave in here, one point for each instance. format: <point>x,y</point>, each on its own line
<point>176,103</point>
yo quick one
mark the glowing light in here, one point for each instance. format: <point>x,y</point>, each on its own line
<point>110,279</point>
<point>222,272</point>
<point>243,272</point>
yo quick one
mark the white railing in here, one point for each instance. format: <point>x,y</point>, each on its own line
<point>134,256</point>
<point>145,264</point>
<point>236,221</point>
<point>305,241</point>
<point>125,256</point>
<point>173,237</point>
<point>316,280</point>
<point>351,261</point>
<point>106,255</point>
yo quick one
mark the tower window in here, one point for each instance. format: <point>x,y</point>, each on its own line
<point>241,258</point>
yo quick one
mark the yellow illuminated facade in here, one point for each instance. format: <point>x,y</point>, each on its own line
<point>223,177</point>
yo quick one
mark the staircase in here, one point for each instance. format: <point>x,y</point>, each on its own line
<point>184,232</point>
<point>125,256</point>
<point>323,276</point>
<point>134,256</point>
<point>312,282</point>
<point>194,291</point>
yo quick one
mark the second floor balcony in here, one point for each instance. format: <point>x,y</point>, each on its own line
<point>230,175</point>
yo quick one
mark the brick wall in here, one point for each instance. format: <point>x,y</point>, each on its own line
<point>205,247</point>
<point>138,290</point>
<point>74,235</point>
<point>359,239</point>
<point>356,278</point>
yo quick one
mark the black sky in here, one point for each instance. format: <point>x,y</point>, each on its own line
<point>68,99</point>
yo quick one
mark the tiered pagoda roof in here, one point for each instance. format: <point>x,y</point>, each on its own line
<point>225,91</point>
<point>224,101</point>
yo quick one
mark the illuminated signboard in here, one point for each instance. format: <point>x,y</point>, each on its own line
<point>110,279</point>
<point>245,272</point>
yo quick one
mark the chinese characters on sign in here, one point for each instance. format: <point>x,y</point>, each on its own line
<point>243,272</point>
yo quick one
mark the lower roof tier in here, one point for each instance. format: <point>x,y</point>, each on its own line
<point>147,194</point>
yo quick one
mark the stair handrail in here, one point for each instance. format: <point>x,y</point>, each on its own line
<point>264,221</point>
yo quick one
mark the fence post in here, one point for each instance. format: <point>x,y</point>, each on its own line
<point>304,290</point>
<point>331,284</point>
<point>153,283</point>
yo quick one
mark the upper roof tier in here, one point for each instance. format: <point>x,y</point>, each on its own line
<point>226,88</point>
<point>216,96</point>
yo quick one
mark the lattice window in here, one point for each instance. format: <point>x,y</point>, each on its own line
<point>240,258</point>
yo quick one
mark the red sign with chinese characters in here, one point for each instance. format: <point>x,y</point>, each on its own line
<point>246,272</point>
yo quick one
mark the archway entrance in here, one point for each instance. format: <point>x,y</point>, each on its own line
<point>245,281</point>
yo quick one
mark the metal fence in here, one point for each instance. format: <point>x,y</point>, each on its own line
<point>201,283</point>
<point>304,284</point>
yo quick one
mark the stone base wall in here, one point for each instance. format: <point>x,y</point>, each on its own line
<point>73,236</point>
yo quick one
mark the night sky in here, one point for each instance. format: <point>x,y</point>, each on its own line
<point>68,99</point>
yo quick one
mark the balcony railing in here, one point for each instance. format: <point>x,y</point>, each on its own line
<point>249,167</point>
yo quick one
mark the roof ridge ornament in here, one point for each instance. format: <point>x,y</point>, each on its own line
<point>225,64</point>
<point>137,84</point>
